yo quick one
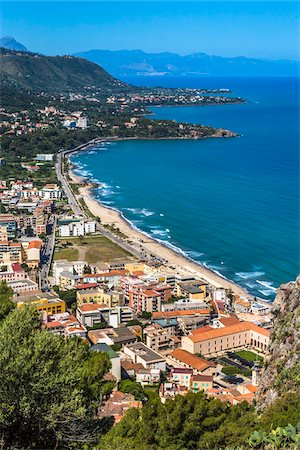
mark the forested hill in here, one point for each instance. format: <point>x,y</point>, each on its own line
<point>53,74</point>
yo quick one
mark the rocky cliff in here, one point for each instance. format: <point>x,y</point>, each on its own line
<point>282,369</point>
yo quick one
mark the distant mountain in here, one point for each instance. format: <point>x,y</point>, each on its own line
<point>10,43</point>
<point>38,73</point>
<point>136,62</point>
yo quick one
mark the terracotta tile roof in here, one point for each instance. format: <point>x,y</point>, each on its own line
<point>195,362</point>
<point>150,293</point>
<point>53,324</point>
<point>86,286</point>
<point>86,307</point>
<point>203,378</point>
<point>251,388</point>
<point>226,321</point>
<point>204,334</point>
<point>178,313</point>
<point>111,273</point>
<point>35,244</point>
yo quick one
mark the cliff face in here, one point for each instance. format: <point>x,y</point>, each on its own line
<point>282,369</point>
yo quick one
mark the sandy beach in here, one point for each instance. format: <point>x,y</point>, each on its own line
<point>140,241</point>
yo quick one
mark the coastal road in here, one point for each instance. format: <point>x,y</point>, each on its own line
<point>77,209</point>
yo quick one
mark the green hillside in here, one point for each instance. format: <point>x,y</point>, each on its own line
<point>53,74</point>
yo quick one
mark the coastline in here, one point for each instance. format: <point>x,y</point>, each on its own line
<point>142,242</point>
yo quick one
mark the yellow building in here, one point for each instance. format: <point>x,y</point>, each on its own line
<point>53,305</point>
<point>105,297</point>
<point>134,267</point>
<point>194,290</point>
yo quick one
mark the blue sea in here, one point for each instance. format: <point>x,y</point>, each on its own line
<point>230,204</point>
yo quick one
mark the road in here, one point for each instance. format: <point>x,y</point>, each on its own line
<point>47,254</point>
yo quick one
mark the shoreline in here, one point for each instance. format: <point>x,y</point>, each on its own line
<point>174,260</point>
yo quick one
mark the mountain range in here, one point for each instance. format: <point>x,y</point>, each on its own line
<point>122,63</point>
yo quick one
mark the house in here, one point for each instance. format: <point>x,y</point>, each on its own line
<point>201,383</point>
<point>180,358</point>
<point>181,376</point>
<point>140,353</point>
<point>33,251</point>
<point>14,272</point>
<point>65,324</point>
<point>111,336</point>
<point>147,376</point>
<point>209,341</point>
<point>117,405</point>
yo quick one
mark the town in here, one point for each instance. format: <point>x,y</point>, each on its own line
<point>162,328</point>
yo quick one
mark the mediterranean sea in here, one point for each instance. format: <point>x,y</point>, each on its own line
<point>230,204</point>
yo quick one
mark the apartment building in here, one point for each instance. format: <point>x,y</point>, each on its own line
<point>11,252</point>
<point>102,295</point>
<point>8,221</point>
<point>157,338</point>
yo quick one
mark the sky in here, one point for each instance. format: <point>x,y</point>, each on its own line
<point>262,29</point>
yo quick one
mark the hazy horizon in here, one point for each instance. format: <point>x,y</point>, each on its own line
<point>263,30</point>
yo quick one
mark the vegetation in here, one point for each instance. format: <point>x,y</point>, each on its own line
<point>131,387</point>
<point>39,73</point>
<point>249,356</point>
<point>234,370</point>
<point>6,303</point>
<point>49,387</point>
<point>93,249</point>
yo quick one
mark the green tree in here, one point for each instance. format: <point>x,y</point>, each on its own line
<point>49,387</point>
<point>131,387</point>
<point>6,303</point>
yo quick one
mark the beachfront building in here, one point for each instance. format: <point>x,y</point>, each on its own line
<point>50,192</point>
<point>209,341</point>
<point>193,290</point>
<point>76,227</point>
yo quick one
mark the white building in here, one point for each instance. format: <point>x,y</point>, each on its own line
<point>62,265</point>
<point>44,157</point>
<point>147,376</point>
<point>140,353</point>
<point>50,192</point>
<point>75,227</point>
<point>82,122</point>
